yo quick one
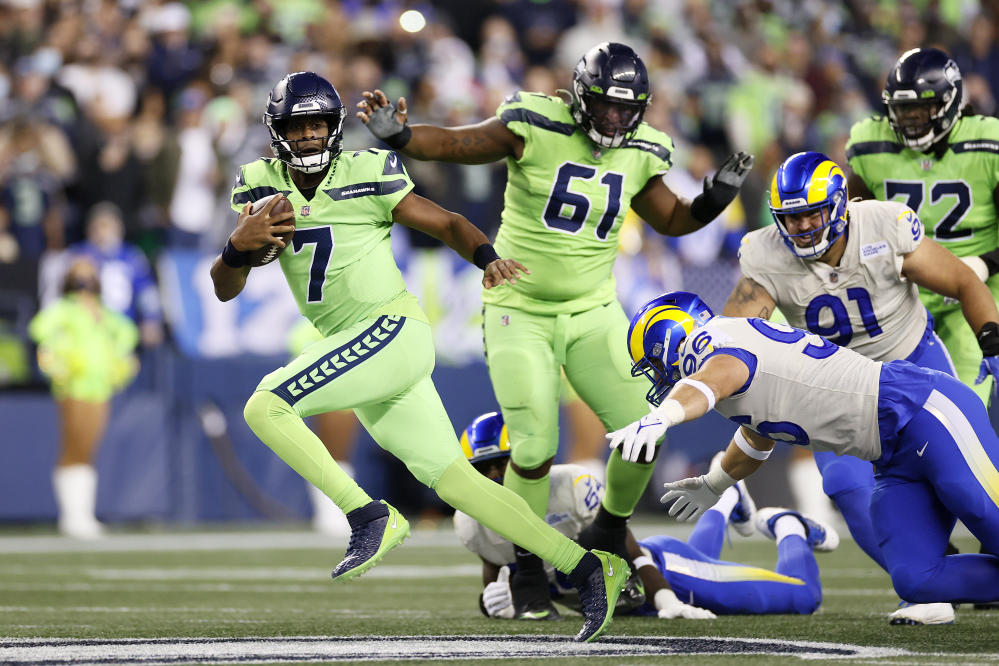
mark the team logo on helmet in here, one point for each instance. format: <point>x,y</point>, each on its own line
<point>610,92</point>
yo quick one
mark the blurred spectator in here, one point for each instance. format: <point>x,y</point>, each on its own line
<point>85,349</point>
<point>173,60</point>
<point>127,282</point>
<point>192,207</point>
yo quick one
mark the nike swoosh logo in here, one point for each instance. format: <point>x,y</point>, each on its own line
<point>610,568</point>
<point>920,451</point>
<point>395,519</point>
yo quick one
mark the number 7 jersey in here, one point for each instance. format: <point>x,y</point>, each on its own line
<point>863,303</point>
<point>340,265</point>
<point>564,203</point>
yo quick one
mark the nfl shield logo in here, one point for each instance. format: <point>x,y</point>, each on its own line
<point>505,320</point>
<point>834,277</point>
<point>305,211</point>
<point>926,164</point>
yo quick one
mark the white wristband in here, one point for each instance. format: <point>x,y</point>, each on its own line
<point>642,561</point>
<point>671,412</point>
<point>717,480</point>
<point>978,265</point>
<point>702,387</point>
<point>744,446</point>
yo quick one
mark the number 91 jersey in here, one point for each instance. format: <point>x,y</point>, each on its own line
<point>564,203</point>
<point>802,389</point>
<point>863,303</point>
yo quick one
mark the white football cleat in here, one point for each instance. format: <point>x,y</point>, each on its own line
<point>820,536</point>
<point>938,613</point>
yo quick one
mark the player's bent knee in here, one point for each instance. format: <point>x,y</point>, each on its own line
<point>844,475</point>
<point>261,408</point>
<point>915,585</point>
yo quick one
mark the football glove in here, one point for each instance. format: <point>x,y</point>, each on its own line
<point>383,122</point>
<point>638,437</point>
<point>669,608</point>
<point>497,598</point>
<point>722,188</point>
<point>693,497</point>
<point>988,340</point>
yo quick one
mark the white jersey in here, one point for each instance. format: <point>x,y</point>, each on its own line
<point>573,501</point>
<point>802,388</point>
<point>864,303</point>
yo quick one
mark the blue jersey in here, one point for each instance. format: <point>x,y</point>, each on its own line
<point>127,282</point>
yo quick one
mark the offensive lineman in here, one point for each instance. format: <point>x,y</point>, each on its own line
<point>849,270</point>
<point>377,355</point>
<point>573,170</point>
<point>927,434</point>
<point>945,167</point>
<point>669,568</point>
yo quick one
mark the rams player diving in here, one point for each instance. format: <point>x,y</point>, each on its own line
<point>850,271</point>
<point>376,354</point>
<point>927,434</point>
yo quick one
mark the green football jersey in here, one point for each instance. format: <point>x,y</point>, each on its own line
<point>339,264</point>
<point>952,195</point>
<point>564,203</point>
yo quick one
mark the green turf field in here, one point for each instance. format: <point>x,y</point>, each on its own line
<point>266,596</point>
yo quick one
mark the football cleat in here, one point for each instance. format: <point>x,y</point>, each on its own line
<point>599,593</point>
<point>370,541</point>
<point>914,614</point>
<point>819,535</point>
<point>531,597</point>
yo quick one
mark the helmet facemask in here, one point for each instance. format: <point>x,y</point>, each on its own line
<point>291,151</point>
<point>923,95</point>
<point>822,237</point>
<point>608,120</point>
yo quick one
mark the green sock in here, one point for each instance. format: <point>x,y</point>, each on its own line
<point>626,482</point>
<point>279,427</point>
<point>534,491</point>
<point>507,514</point>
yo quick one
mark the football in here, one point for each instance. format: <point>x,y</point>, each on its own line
<point>269,253</point>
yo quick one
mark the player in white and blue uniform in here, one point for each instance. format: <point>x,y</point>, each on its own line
<point>670,569</point>
<point>927,434</point>
<point>852,274</point>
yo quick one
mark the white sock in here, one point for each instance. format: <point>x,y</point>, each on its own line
<point>787,525</point>
<point>726,502</point>
<point>75,488</point>
<point>805,483</point>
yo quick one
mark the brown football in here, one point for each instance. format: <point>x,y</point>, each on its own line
<point>269,253</point>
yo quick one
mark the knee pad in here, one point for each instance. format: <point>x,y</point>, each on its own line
<point>846,473</point>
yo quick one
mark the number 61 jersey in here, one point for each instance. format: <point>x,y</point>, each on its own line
<point>864,303</point>
<point>340,265</point>
<point>802,389</point>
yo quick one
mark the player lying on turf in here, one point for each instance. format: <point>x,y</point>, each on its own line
<point>928,435</point>
<point>669,568</point>
<point>850,271</point>
<point>377,351</point>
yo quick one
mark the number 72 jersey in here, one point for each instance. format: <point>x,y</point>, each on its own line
<point>863,303</point>
<point>802,389</point>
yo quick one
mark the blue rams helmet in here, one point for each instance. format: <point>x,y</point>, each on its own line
<point>610,92</point>
<point>486,439</point>
<point>304,94</point>
<point>925,78</point>
<point>803,183</point>
<point>655,336</point>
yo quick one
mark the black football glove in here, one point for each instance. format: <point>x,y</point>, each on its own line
<point>722,188</point>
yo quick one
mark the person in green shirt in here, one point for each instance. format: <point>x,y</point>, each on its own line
<point>85,350</point>
<point>573,170</point>
<point>377,352</point>
<point>944,164</point>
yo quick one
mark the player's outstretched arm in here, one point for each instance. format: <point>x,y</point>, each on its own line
<point>482,143</point>
<point>252,232</point>
<point>671,215</point>
<point>749,299</point>
<point>459,234</point>
<point>935,268</point>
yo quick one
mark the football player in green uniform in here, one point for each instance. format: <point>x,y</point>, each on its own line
<point>945,166</point>
<point>573,169</point>
<point>376,354</point>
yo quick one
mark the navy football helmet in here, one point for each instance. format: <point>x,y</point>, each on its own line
<point>655,336</point>
<point>806,182</point>
<point>304,94</point>
<point>925,79</point>
<point>610,92</point>
<point>486,443</point>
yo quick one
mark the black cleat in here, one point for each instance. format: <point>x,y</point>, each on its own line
<point>531,597</point>
<point>598,594</point>
<point>370,541</point>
